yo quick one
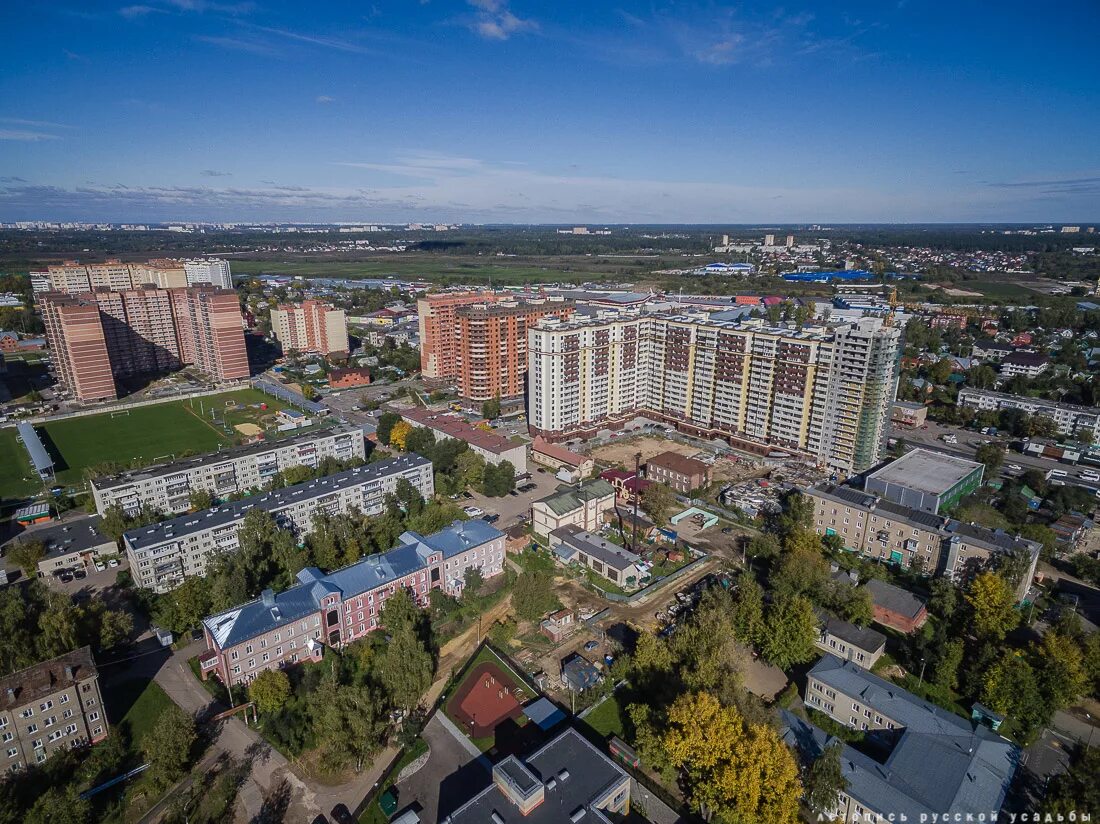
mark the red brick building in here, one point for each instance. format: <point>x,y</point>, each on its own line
<point>681,473</point>
<point>896,608</point>
<point>348,378</point>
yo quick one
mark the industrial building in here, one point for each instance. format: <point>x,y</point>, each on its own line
<point>925,480</point>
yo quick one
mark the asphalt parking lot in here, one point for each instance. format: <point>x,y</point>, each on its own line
<point>511,507</point>
<point>450,777</point>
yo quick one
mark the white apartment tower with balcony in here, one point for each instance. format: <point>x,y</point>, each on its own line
<point>823,391</point>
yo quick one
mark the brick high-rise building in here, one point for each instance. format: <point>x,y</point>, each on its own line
<point>478,340</point>
<point>105,334</point>
<point>438,343</point>
<point>311,326</point>
<point>77,278</point>
<point>491,355</point>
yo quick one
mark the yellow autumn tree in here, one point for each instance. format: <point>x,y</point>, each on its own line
<point>994,605</point>
<point>738,772</point>
<point>399,434</point>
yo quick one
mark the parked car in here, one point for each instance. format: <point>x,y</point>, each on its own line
<point>528,487</point>
<point>491,518</point>
<point>99,566</point>
<point>113,562</point>
<point>1015,467</point>
<point>79,573</point>
<point>591,645</point>
<point>473,511</point>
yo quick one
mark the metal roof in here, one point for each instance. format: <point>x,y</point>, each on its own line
<point>894,598</point>
<point>40,458</point>
<point>926,471</point>
<point>238,624</point>
<point>568,498</point>
<point>176,528</point>
<point>613,555</point>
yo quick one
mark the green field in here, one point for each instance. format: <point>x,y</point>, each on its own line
<point>17,478</point>
<point>606,719</point>
<point>151,433</point>
<point>142,702</point>
<point>998,290</point>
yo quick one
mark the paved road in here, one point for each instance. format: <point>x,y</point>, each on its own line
<point>453,773</point>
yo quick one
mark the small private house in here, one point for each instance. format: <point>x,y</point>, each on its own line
<point>620,566</point>
<point>860,645</point>
<point>578,673</point>
<point>581,505</point>
<point>559,625</point>
<point>348,378</point>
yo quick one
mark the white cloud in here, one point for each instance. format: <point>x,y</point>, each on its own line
<point>26,136</point>
<point>494,20</point>
<point>324,99</point>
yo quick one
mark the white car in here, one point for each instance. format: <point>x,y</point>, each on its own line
<point>113,562</point>
<point>1016,467</point>
<point>1089,475</point>
<point>473,511</point>
<point>99,567</point>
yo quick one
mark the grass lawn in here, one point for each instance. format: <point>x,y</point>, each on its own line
<point>17,478</point>
<point>151,433</point>
<point>143,703</point>
<point>607,718</point>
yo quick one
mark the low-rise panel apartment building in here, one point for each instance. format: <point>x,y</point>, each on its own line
<point>51,706</point>
<point>1069,418</point>
<point>168,487</point>
<point>163,554</point>
<point>932,762</point>
<point>281,629</point>
<point>891,533</point>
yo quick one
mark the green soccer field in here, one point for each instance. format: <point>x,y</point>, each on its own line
<point>17,478</point>
<point>155,433</point>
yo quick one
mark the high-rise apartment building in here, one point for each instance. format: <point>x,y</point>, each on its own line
<point>311,326</point>
<point>214,271</point>
<point>76,278</point>
<point>478,340</point>
<point>105,334</point>
<point>491,355</point>
<point>438,343</point>
<point>824,392</point>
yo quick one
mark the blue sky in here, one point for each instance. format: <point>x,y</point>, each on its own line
<point>521,111</point>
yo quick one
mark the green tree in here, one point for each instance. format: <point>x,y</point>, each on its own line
<point>825,781</point>
<point>26,555</point>
<point>386,423</point>
<point>1077,790</point>
<point>945,671</point>
<point>184,607</point>
<point>533,595</point>
<point>421,441</point>
<point>658,500</point>
<point>59,626</point>
<point>499,479</point>
<point>60,805</point>
<point>469,470</point>
<point>763,546</point>
<point>115,627</point>
<point>113,522</point>
<point>1061,672</point>
<point>1040,426</point>
<point>982,377</point>
<point>200,499</point>
<point>1010,687</point>
<point>748,611</point>
<point>940,371</point>
<point>350,722</point>
<point>992,455</point>
<point>406,667</point>
<point>269,691</point>
<point>490,410</point>
<point>791,630</point>
<point>167,746</point>
<point>472,582</point>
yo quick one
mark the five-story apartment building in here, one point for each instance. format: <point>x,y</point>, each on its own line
<point>168,486</point>
<point>50,706</point>
<point>163,554</point>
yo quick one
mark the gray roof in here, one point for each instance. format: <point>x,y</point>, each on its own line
<point>574,774</point>
<point>894,598</point>
<point>864,638</point>
<point>939,763</point>
<point>175,528</point>
<point>927,471</point>
<point>575,538</point>
<point>238,624</point>
<point>569,498</point>
<point>63,537</point>
<point>40,458</point>
<point>212,458</point>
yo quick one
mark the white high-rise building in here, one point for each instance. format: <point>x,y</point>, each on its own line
<point>210,270</point>
<point>823,391</point>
